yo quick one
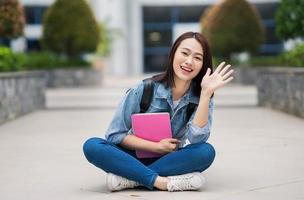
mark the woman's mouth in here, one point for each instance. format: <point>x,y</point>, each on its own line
<point>186,69</point>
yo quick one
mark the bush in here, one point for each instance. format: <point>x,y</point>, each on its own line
<point>232,26</point>
<point>70,28</point>
<point>48,60</point>
<point>10,61</point>
<point>295,57</point>
<point>267,61</point>
<point>216,61</point>
<point>12,19</point>
<point>289,19</point>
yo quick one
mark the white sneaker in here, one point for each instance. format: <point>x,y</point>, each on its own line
<point>115,182</point>
<point>190,181</point>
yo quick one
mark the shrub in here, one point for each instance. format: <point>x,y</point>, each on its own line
<point>10,61</point>
<point>289,19</point>
<point>12,19</point>
<point>232,26</point>
<point>70,28</point>
<point>48,60</point>
<point>295,57</point>
<point>267,61</point>
<point>216,61</point>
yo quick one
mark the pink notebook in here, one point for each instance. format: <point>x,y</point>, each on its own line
<point>153,127</point>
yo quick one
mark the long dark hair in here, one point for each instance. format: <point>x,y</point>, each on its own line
<point>167,78</point>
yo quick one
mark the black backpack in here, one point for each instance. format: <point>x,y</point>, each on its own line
<point>147,96</point>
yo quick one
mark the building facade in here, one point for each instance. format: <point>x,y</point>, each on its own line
<point>34,10</point>
<point>149,27</point>
<point>143,30</point>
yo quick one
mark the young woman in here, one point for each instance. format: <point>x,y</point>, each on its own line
<point>189,78</point>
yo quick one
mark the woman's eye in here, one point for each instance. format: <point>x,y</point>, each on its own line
<point>198,58</point>
<point>184,53</point>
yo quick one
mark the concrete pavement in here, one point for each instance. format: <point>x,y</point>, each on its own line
<point>259,151</point>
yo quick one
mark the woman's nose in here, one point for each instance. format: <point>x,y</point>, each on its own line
<point>189,60</point>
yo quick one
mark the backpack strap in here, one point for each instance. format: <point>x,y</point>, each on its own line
<point>147,95</point>
<point>190,109</point>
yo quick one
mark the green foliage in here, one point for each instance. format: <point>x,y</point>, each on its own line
<point>265,61</point>
<point>48,60</point>
<point>216,61</point>
<point>290,19</point>
<point>295,57</point>
<point>232,26</point>
<point>12,19</point>
<point>70,28</point>
<point>10,61</point>
<point>292,58</point>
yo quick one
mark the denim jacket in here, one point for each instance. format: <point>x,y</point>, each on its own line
<point>162,101</point>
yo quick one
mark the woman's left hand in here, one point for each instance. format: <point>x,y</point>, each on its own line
<point>220,77</point>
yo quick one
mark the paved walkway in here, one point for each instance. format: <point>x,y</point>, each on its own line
<point>259,151</point>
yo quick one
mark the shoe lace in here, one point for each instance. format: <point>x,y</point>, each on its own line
<point>180,183</point>
<point>125,183</point>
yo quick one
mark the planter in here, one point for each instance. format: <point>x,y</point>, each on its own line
<point>21,93</point>
<point>282,89</point>
<point>245,75</point>
<point>73,77</point>
<point>24,92</point>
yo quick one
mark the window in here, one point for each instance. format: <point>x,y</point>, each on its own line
<point>33,45</point>
<point>157,38</point>
<point>191,13</point>
<point>34,14</point>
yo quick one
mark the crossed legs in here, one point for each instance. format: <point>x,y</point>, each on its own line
<point>113,159</point>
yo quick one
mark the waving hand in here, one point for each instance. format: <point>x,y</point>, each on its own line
<point>220,77</point>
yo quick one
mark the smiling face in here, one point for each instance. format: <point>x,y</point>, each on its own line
<point>188,60</point>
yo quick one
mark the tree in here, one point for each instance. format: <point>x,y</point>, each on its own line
<point>12,19</point>
<point>290,19</point>
<point>69,28</point>
<point>232,26</point>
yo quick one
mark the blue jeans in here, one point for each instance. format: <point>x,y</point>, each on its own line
<point>123,162</point>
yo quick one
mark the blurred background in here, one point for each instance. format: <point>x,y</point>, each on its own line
<point>134,37</point>
<point>82,42</point>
